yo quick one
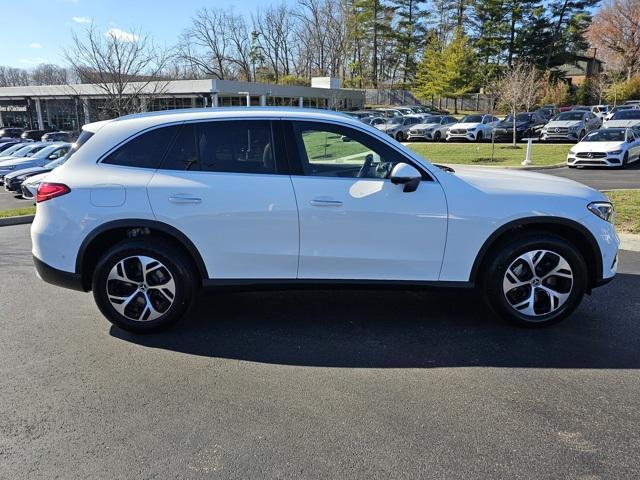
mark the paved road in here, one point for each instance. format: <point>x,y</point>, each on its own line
<point>9,200</point>
<point>602,179</point>
<point>316,385</point>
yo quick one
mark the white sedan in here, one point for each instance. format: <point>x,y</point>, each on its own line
<point>607,147</point>
<point>474,128</point>
<point>624,119</point>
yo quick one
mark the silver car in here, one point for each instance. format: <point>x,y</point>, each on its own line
<point>432,127</point>
<point>398,127</point>
<point>570,126</point>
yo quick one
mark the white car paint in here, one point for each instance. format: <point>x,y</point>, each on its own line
<point>605,153</point>
<point>298,227</point>
<point>431,130</point>
<point>30,186</point>
<point>466,130</point>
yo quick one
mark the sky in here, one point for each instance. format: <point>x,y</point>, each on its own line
<point>37,31</point>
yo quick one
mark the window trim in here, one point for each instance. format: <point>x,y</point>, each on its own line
<point>294,155</point>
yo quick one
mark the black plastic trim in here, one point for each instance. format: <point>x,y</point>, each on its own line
<point>57,277</point>
<point>528,221</point>
<point>319,284</point>
<point>142,223</point>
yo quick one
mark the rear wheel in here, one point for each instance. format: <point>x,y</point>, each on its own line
<point>399,136</point>
<point>625,160</point>
<point>536,279</point>
<point>144,285</point>
<point>437,136</point>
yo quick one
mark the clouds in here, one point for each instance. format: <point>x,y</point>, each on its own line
<point>35,45</point>
<point>81,19</point>
<point>121,35</point>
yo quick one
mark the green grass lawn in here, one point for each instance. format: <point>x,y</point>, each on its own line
<point>16,212</point>
<point>627,205</point>
<point>481,153</point>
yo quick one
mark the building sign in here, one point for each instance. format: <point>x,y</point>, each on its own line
<point>13,108</point>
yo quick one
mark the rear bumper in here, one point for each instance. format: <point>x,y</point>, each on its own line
<point>57,277</point>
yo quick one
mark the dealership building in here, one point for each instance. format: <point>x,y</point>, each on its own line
<point>67,107</point>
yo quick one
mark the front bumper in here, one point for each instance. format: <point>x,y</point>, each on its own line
<point>553,136</point>
<point>471,136</point>
<point>57,277</point>
<point>610,162</point>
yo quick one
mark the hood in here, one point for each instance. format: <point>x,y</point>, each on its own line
<point>36,178</point>
<point>424,126</point>
<point>632,122</point>
<point>505,124</point>
<point>27,161</point>
<point>468,126</point>
<point>597,146</point>
<point>386,126</point>
<point>514,182</point>
<point>563,123</point>
<point>27,171</point>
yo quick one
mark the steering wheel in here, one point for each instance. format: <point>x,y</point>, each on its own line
<point>368,161</point>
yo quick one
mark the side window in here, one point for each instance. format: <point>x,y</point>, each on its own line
<point>236,146</point>
<point>144,151</point>
<point>329,150</point>
<point>183,153</point>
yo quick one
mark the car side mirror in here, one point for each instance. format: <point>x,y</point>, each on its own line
<point>407,175</point>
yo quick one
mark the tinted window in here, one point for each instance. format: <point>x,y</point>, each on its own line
<point>145,150</point>
<point>183,153</point>
<point>329,150</point>
<point>237,146</point>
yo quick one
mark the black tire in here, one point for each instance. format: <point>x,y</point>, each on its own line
<point>507,252</point>
<point>582,134</point>
<point>399,136</point>
<point>179,266</point>
<point>479,137</point>
<point>437,136</point>
<point>625,160</point>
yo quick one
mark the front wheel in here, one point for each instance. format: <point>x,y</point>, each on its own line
<point>479,137</point>
<point>536,279</point>
<point>144,285</point>
<point>399,136</point>
<point>437,136</point>
<point>625,160</point>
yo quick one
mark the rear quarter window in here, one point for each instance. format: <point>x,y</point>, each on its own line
<point>143,151</point>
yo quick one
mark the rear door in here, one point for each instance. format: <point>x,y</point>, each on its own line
<point>224,185</point>
<point>354,223</point>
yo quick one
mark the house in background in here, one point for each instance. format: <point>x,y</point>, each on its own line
<point>583,66</point>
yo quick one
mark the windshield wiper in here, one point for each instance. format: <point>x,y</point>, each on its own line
<point>444,167</point>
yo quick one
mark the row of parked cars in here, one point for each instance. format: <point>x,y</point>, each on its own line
<point>547,123</point>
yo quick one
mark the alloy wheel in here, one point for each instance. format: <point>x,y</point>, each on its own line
<point>140,288</point>
<point>538,283</point>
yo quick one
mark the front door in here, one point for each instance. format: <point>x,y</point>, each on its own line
<point>354,223</point>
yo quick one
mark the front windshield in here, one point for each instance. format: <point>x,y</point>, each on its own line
<point>605,135</point>
<point>520,117</point>
<point>573,115</point>
<point>395,120</point>
<point>11,150</point>
<point>472,119</point>
<point>622,107</point>
<point>431,119</point>
<point>26,151</point>
<point>46,151</point>
<point>627,115</point>
<point>57,162</point>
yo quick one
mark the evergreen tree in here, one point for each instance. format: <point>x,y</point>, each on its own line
<point>409,33</point>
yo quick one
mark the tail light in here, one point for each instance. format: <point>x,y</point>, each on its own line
<point>47,191</point>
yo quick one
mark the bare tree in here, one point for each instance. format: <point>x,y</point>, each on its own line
<point>49,74</point>
<point>519,87</point>
<point>127,68</point>
<point>13,77</point>
<point>275,27</point>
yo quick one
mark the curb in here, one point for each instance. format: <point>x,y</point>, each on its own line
<point>22,220</point>
<point>629,242</point>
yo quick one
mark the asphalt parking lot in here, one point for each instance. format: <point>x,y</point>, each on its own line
<point>352,384</point>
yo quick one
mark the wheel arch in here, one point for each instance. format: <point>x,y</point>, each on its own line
<point>109,233</point>
<point>573,231</point>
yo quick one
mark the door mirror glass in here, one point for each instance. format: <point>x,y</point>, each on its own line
<point>407,175</point>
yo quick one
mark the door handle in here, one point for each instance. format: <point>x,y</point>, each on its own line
<point>324,202</point>
<point>182,199</point>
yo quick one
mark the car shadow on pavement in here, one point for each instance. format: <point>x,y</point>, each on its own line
<point>403,329</point>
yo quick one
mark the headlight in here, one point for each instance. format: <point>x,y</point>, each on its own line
<point>575,128</point>
<point>615,152</point>
<point>572,151</point>
<point>604,210</point>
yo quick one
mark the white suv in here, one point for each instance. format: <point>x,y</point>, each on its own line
<point>151,207</point>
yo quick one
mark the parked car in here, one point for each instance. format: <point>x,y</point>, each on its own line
<point>20,150</point>
<point>527,125</point>
<point>136,216</point>
<point>549,110</point>
<point>398,127</point>
<point>4,145</point>
<point>606,147</point>
<point>34,135</point>
<point>429,108</point>
<point>433,127</point>
<point>624,119</point>
<point>10,132</point>
<point>389,112</point>
<point>38,159</point>
<point>615,110</point>
<point>633,102</point>
<point>13,180</point>
<point>29,187</point>
<point>473,128</point>
<point>57,137</point>
<point>600,111</point>
<point>571,125</point>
